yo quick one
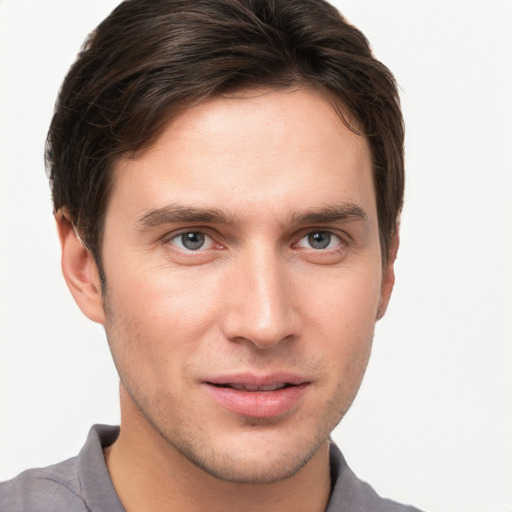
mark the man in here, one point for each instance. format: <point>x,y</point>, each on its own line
<point>227,178</point>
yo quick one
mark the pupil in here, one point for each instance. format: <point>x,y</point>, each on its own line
<point>319,240</point>
<point>192,241</point>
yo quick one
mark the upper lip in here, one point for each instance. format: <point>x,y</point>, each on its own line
<point>258,380</point>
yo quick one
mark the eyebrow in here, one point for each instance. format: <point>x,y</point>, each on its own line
<point>176,213</point>
<point>343,211</point>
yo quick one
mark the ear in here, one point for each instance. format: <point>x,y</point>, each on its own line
<point>80,270</point>
<point>388,275</point>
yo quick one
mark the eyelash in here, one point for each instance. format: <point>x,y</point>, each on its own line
<point>330,235</point>
<point>179,236</point>
<point>208,240</point>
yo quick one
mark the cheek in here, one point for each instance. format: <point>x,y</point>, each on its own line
<point>155,323</point>
<point>342,319</point>
<point>163,301</point>
<point>346,301</point>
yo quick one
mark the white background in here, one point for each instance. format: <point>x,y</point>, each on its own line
<point>433,423</point>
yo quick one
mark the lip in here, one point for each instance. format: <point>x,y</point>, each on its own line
<point>257,402</point>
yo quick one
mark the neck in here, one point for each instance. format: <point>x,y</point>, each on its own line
<point>149,474</point>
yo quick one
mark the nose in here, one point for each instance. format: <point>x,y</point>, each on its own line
<point>260,301</point>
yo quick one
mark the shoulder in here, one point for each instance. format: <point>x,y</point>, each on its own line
<point>79,484</point>
<point>349,494</point>
<point>53,488</point>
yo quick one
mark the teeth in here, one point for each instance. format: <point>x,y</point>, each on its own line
<point>248,387</point>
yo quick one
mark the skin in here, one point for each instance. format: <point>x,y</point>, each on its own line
<point>280,171</point>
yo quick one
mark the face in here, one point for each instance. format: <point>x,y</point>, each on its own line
<point>244,279</point>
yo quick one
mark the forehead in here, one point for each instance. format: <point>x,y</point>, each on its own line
<point>261,147</point>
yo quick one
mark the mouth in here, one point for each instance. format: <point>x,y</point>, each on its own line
<point>258,397</point>
<point>251,387</point>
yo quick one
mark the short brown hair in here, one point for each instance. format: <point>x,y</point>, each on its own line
<point>152,58</point>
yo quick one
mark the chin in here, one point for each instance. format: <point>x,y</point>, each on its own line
<point>253,459</point>
<point>257,470</point>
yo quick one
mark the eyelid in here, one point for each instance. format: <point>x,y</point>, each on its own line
<point>343,238</point>
<point>175,235</point>
<point>211,243</point>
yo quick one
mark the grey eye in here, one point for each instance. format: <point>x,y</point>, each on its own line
<point>192,240</point>
<point>319,239</point>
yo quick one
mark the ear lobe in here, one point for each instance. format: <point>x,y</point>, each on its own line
<point>388,275</point>
<point>80,270</point>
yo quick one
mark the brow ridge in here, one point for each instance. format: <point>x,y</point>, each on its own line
<point>175,213</point>
<point>343,211</point>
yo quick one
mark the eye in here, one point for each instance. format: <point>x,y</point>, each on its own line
<point>319,240</point>
<point>192,241</point>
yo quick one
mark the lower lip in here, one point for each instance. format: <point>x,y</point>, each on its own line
<point>258,404</point>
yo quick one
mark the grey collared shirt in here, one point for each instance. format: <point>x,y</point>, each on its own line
<point>83,484</point>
